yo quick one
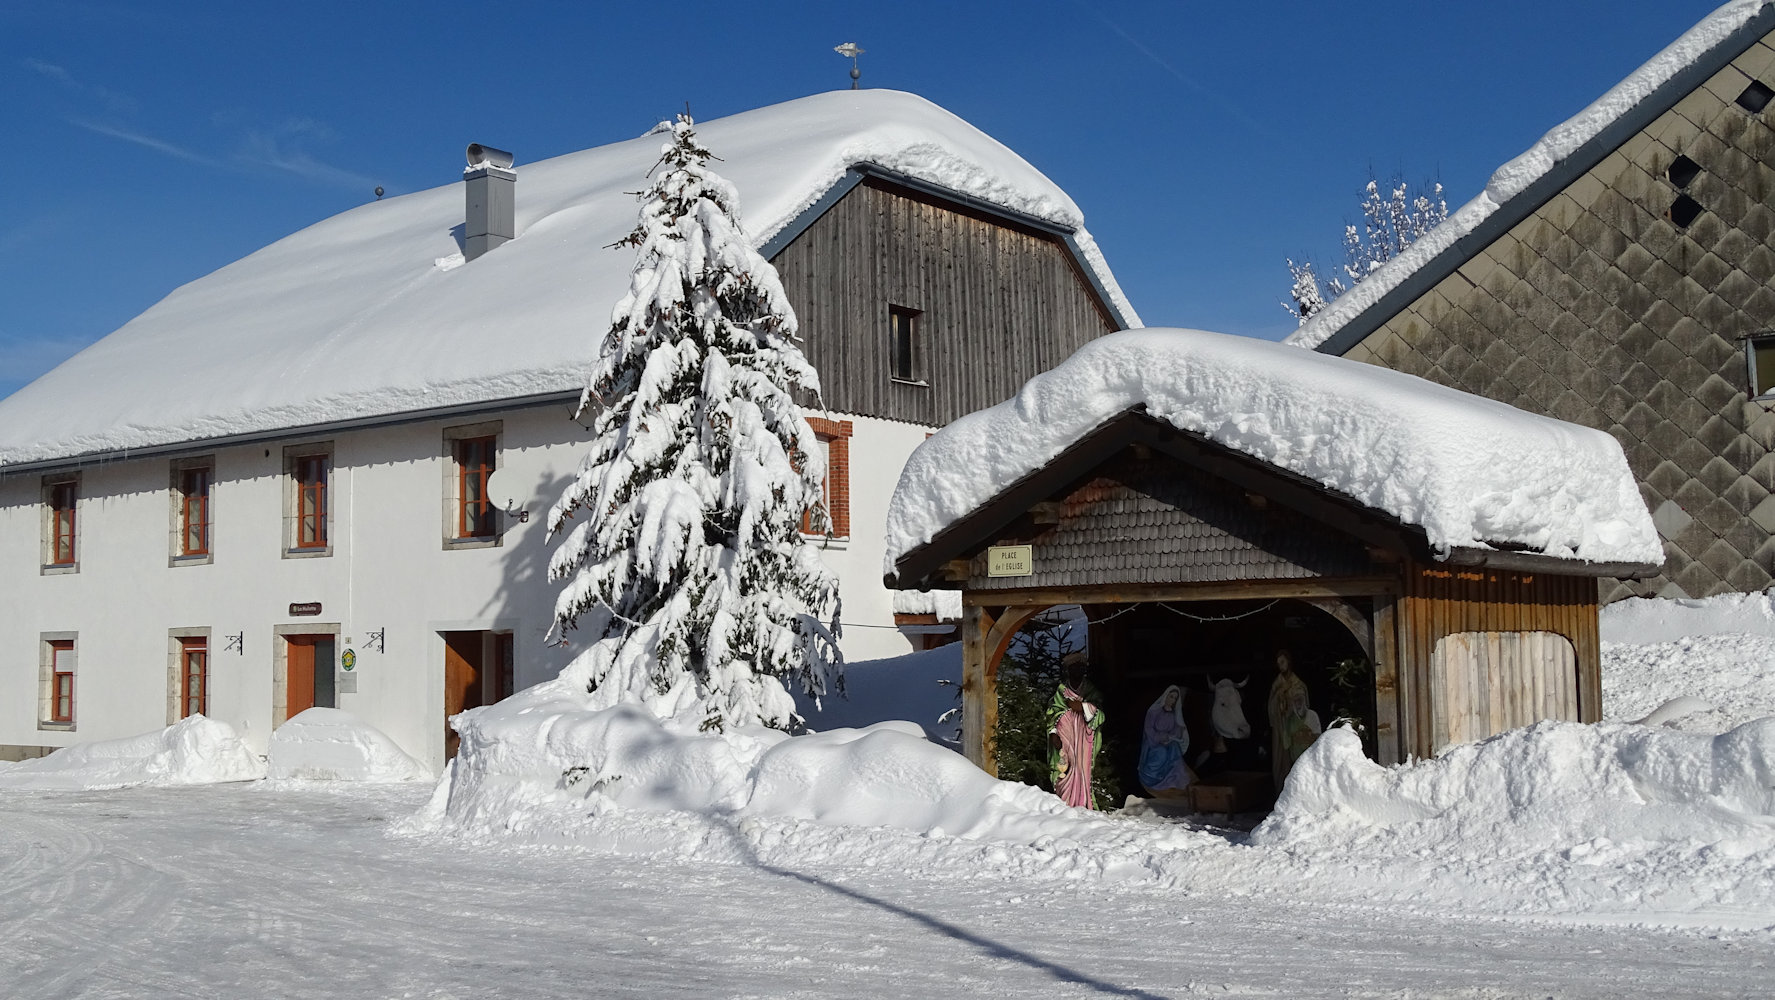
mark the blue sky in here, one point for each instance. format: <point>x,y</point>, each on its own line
<point>152,143</point>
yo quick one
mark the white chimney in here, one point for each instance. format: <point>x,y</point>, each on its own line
<point>490,182</point>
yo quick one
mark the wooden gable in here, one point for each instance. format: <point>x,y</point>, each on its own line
<point>997,300</point>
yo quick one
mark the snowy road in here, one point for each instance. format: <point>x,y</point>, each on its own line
<point>243,891</point>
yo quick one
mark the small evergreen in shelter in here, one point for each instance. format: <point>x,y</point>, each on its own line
<point>684,554</point>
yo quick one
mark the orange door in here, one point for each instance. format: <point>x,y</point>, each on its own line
<point>462,679</point>
<point>298,675</point>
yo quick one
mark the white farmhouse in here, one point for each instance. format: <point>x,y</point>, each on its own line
<point>315,477</point>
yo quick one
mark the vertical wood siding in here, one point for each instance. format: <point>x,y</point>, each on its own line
<point>997,305</point>
<point>1487,682</point>
<point>1439,602</point>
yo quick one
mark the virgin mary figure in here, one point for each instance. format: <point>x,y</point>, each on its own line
<point>1163,742</point>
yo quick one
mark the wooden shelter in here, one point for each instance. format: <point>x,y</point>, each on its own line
<point>1143,524</point>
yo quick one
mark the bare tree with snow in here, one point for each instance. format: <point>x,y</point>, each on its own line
<point>1390,223</point>
<point>684,555</point>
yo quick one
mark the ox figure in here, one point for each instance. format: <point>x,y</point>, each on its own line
<point>1227,716</point>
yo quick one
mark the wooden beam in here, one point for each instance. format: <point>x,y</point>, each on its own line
<point>1137,593</point>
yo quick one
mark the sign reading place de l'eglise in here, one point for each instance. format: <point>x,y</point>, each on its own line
<point>306,609</point>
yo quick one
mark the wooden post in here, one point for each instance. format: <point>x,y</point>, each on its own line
<point>979,694</point>
<point>1386,682</point>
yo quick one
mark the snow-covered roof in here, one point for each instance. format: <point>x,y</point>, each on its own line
<point>1522,185</point>
<point>1471,472</point>
<point>372,312</point>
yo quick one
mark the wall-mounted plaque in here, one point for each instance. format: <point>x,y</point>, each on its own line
<point>1009,560</point>
<point>305,610</point>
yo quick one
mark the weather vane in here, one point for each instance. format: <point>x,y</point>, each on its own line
<point>850,49</point>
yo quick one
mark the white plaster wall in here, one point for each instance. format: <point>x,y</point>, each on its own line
<point>388,571</point>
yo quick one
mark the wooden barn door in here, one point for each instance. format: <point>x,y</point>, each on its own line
<point>1486,682</point>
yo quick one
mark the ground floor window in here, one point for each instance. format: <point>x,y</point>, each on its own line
<point>194,654</point>
<point>61,680</point>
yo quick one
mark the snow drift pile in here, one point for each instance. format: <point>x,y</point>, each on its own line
<point>542,766</point>
<point>192,751</point>
<point>1472,472</point>
<point>1558,816</point>
<point>1719,652</point>
<point>327,744</point>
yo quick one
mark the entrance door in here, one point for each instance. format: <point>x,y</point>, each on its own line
<point>478,670</point>
<point>308,673</point>
<point>464,655</point>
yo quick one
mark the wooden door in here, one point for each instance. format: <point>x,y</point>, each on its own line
<point>463,658</point>
<point>298,674</point>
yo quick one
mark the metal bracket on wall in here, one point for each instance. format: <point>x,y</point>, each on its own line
<point>238,643</point>
<point>376,639</point>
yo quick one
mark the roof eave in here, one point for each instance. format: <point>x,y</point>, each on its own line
<point>967,536</point>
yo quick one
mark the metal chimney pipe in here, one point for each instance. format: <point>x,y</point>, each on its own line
<point>490,184</point>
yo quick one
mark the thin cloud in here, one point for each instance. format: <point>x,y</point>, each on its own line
<point>143,140</point>
<point>111,99</point>
<point>263,149</point>
<point>52,71</point>
<point>1233,110</point>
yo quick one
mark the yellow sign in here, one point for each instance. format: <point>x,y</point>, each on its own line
<point>1009,560</point>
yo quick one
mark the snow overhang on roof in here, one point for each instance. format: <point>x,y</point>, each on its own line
<point>1474,475</point>
<point>1519,188</point>
<point>371,316</point>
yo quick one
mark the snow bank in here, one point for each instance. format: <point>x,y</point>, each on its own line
<point>919,686</point>
<point>328,744</point>
<point>540,767</point>
<point>1558,816</point>
<point>192,751</point>
<point>1719,651</point>
<point>1514,177</point>
<point>1470,471</point>
<point>372,311</point>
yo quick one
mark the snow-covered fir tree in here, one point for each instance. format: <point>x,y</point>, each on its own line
<point>684,558</point>
<point>1390,223</point>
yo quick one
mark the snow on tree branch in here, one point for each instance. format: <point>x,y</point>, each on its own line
<point>1390,223</point>
<point>684,557</point>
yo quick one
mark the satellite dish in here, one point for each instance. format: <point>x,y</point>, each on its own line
<point>499,491</point>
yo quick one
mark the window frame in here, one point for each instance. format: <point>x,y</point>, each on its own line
<point>53,648</point>
<point>61,523</point>
<point>298,460</point>
<point>190,646</point>
<point>1765,338</point>
<point>835,489</point>
<point>909,320</point>
<point>467,473</point>
<point>455,485</point>
<point>190,509</point>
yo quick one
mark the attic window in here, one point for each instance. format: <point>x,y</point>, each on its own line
<point>1684,211</point>
<point>904,360</point>
<point>1683,170</point>
<point>1755,97</point>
